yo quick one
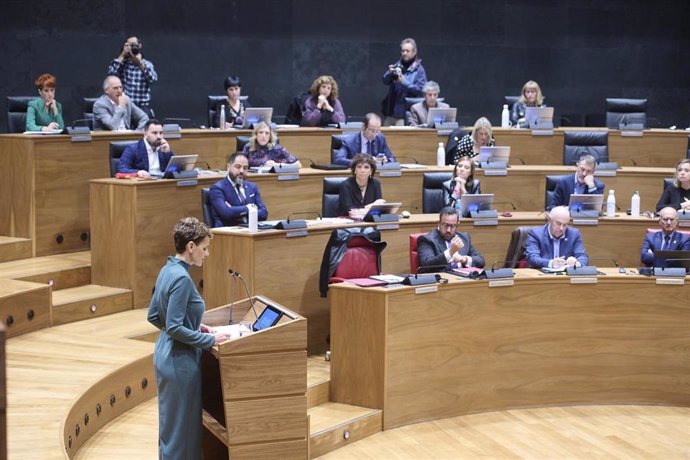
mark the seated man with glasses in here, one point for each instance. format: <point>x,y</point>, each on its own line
<point>668,239</point>
<point>444,247</point>
<point>369,141</point>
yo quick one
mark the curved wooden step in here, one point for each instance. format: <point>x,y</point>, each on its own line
<point>88,301</point>
<point>60,271</point>
<point>12,248</point>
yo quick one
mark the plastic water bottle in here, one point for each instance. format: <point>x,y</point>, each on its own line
<point>253,218</point>
<point>458,207</point>
<point>611,204</point>
<point>440,155</point>
<point>505,117</point>
<point>221,123</point>
<point>635,204</point>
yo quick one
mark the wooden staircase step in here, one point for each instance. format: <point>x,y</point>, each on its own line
<point>24,306</point>
<point>88,301</point>
<point>12,248</point>
<point>318,380</point>
<point>61,271</point>
<point>334,425</point>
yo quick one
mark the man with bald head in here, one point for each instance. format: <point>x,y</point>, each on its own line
<point>556,245</point>
<point>114,111</point>
<point>668,239</point>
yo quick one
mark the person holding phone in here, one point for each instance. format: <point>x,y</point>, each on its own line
<point>369,141</point>
<point>136,73</point>
<point>463,182</point>
<point>582,183</point>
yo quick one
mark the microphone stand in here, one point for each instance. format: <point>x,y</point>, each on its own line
<point>235,274</point>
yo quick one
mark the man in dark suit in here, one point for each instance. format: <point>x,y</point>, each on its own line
<point>150,156</point>
<point>582,182</point>
<point>555,245</point>
<point>369,140</point>
<point>444,246</point>
<point>668,239</point>
<point>231,195</point>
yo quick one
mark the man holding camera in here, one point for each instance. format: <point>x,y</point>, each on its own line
<point>405,78</point>
<point>136,73</point>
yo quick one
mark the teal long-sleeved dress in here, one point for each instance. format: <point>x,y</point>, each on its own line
<point>37,116</point>
<point>177,309</point>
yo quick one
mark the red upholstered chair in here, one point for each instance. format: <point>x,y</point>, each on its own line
<point>360,261</point>
<point>654,230</point>
<point>414,253</point>
<point>515,255</point>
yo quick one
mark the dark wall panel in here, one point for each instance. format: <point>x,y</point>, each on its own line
<point>579,51</point>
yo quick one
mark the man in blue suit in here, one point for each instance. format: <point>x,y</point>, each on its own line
<point>668,239</point>
<point>555,245</point>
<point>369,140</point>
<point>582,182</point>
<point>231,195</point>
<point>149,156</point>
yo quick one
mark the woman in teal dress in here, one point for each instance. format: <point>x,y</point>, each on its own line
<point>44,113</point>
<point>176,309</point>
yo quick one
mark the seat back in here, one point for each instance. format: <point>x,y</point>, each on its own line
<point>331,196</point>
<point>622,111</point>
<point>550,188</point>
<point>16,113</point>
<point>87,110</point>
<point>578,143</point>
<point>667,181</point>
<point>452,143</point>
<point>515,255</point>
<point>206,206</point>
<point>116,149</point>
<point>409,102</point>
<point>360,260</point>
<point>510,101</point>
<point>241,141</point>
<point>212,107</point>
<point>432,191</point>
<point>414,252</point>
<point>336,144</point>
<point>656,229</point>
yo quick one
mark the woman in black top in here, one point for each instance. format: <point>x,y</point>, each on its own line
<point>529,97</point>
<point>677,194</point>
<point>361,190</point>
<point>234,107</point>
<point>469,144</point>
<point>463,182</point>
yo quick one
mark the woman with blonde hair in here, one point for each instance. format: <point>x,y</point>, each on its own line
<point>323,108</point>
<point>529,97</point>
<point>263,148</point>
<point>481,136</point>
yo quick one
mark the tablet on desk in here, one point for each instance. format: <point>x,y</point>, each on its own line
<point>384,208</point>
<point>268,318</point>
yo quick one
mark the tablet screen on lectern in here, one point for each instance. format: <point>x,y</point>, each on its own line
<point>269,317</point>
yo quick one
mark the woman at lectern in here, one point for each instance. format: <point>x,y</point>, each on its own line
<point>44,113</point>
<point>359,191</point>
<point>263,148</point>
<point>463,182</point>
<point>469,144</point>
<point>677,194</point>
<point>176,309</point>
<point>529,97</point>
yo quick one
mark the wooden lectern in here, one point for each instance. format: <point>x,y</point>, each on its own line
<point>254,387</point>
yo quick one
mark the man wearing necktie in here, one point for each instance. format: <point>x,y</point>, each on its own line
<point>445,246</point>
<point>556,245</point>
<point>369,141</point>
<point>231,195</point>
<point>668,239</point>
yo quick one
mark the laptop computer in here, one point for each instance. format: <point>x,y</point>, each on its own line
<point>539,116</point>
<point>179,163</point>
<point>253,115</point>
<point>590,203</point>
<point>673,258</point>
<point>381,209</point>
<point>494,154</point>
<point>438,115</point>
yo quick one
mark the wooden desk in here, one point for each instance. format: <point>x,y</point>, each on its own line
<point>43,195</point>
<point>287,269</point>
<point>470,348</point>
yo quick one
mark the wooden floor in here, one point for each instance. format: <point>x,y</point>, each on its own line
<point>585,432</point>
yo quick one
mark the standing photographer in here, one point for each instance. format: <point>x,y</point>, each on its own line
<point>405,78</point>
<point>137,74</point>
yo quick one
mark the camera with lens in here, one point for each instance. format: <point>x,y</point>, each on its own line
<point>134,48</point>
<point>397,70</point>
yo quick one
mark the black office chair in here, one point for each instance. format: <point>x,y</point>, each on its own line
<point>212,107</point>
<point>116,149</point>
<point>578,143</point>
<point>87,112</point>
<point>331,196</point>
<point>572,119</point>
<point>515,255</point>
<point>550,188</point>
<point>241,141</point>
<point>206,206</point>
<point>667,181</point>
<point>16,113</point>
<point>510,101</point>
<point>452,143</point>
<point>336,143</point>
<point>432,191</point>
<point>623,111</point>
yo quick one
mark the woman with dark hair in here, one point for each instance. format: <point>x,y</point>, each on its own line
<point>44,113</point>
<point>463,182</point>
<point>176,309</point>
<point>359,191</point>
<point>323,108</point>
<point>234,107</point>
<point>263,148</point>
<point>677,194</point>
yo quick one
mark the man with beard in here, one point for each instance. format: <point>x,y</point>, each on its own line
<point>231,195</point>
<point>148,157</point>
<point>405,78</point>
